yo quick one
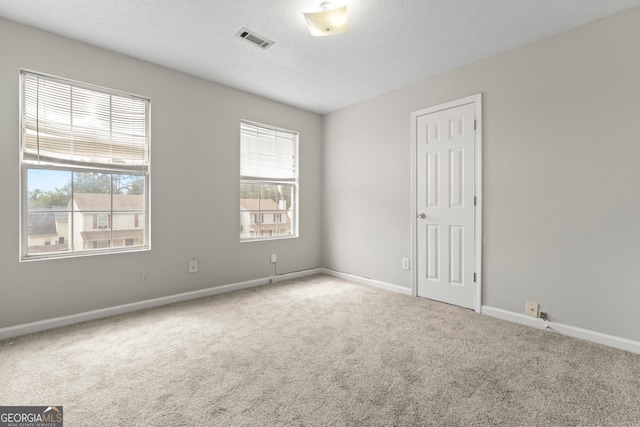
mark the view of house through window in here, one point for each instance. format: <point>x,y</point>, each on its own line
<point>83,210</point>
<point>266,210</point>
<point>268,182</point>
<point>85,169</point>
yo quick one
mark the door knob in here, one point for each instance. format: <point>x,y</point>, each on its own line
<point>422,215</point>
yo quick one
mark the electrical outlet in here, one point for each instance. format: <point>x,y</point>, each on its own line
<point>274,258</point>
<point>193,265</point>
<point>532,309</point>
<point>405,263</point>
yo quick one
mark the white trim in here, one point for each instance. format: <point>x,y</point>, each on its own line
<point>296,275</point>
<point>414,208</point>
<point>572,331</point>
<point>367,281</point>
<point>477,101</point>
<point>56,322</point>
<point>479,201</point>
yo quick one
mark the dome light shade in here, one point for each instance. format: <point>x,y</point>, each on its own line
<point>330,20</point>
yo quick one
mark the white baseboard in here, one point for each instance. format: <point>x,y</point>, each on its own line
<point>296,275</point>
<point>572,331</point>
<point>597,337</point>
<point>367,281</point>
<point>56,322</point>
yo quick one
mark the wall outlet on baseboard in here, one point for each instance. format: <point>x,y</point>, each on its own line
<point>405,263</point>
<point>532,309</point>
<point>193,265</point>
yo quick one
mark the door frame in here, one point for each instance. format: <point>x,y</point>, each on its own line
<point>477,101</point>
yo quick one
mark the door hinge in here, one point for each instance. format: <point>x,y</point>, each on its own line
<point>475,201</point>
<point>475,124</point>
<point>474,277</point>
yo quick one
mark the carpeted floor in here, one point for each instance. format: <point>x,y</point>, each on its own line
<point>318,351</point>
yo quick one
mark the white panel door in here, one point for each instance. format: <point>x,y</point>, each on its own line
<point>445,174</point>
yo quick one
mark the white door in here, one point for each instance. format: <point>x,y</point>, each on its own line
<point>446,193</point>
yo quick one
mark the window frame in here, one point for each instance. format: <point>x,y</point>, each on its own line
<point>294,183</point>
<point>76,166</point>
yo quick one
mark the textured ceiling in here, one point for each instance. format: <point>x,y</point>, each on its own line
<point>391,43</point>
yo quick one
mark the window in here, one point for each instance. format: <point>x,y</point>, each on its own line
<point>85,169</point>
<point>268,182</point>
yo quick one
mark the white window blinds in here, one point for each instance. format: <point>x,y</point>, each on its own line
<point>267,153</point>
<point>66,123</point>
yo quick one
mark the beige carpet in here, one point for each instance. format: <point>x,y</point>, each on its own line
<point>318,351</point>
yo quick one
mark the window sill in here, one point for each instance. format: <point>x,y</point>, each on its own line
<point>67,255</point>
<point>263,239</point>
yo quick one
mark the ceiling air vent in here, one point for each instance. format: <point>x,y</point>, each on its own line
<point>254,38</point>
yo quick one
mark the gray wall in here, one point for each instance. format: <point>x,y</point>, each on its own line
<point>561,182</point>
<point>195,190</point>
<point>561,176</point>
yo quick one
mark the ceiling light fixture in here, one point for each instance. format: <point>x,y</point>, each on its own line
<point>330,20</point>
